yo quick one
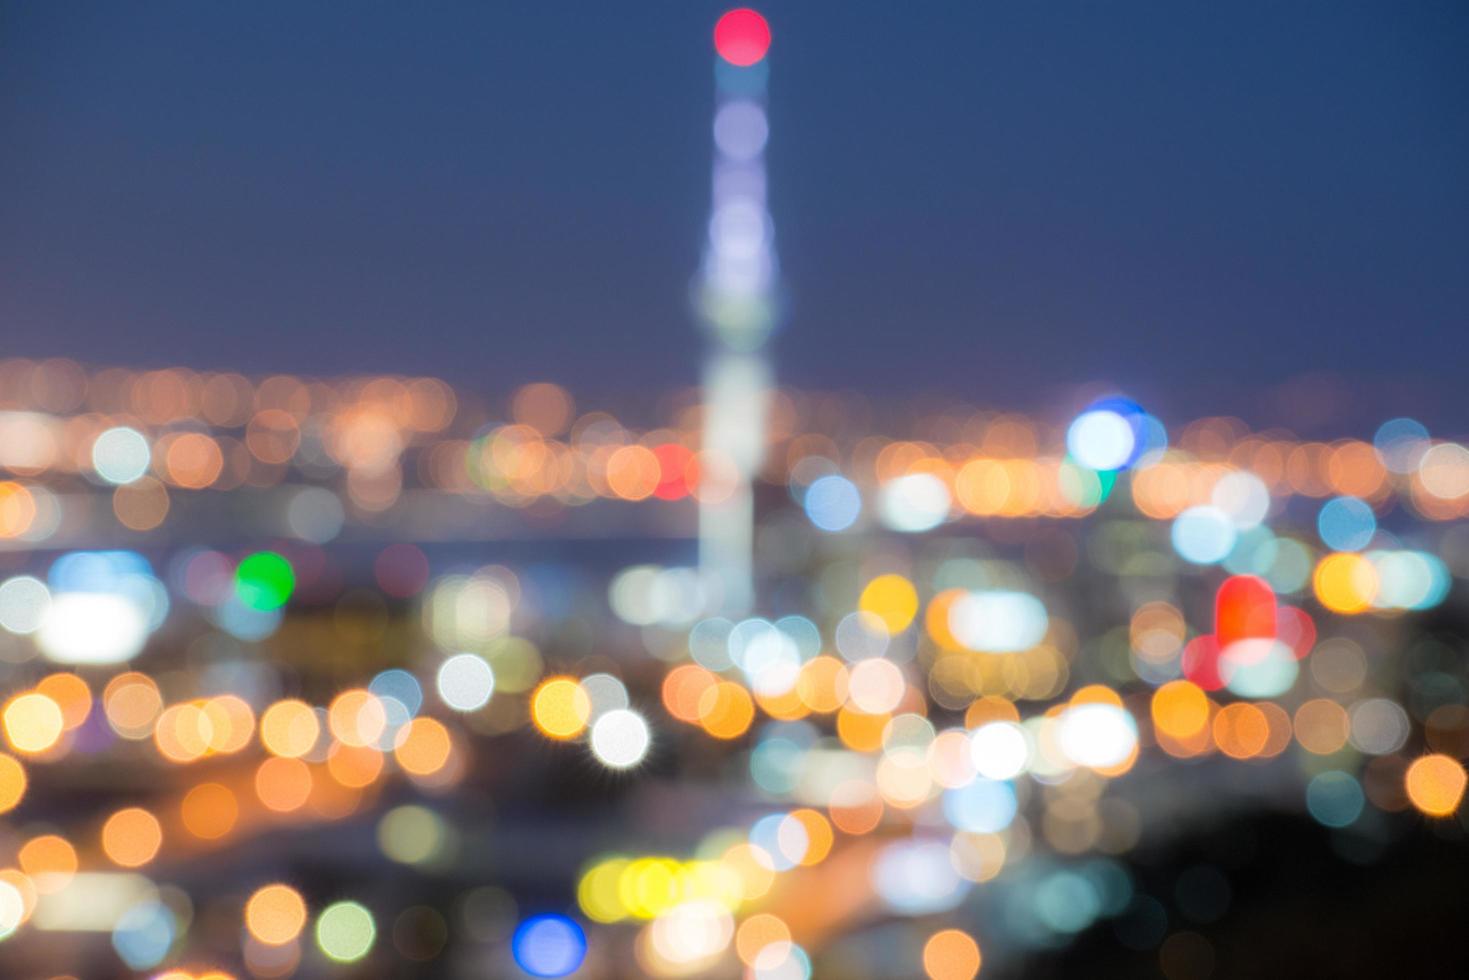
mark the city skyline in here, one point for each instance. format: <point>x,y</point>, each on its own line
<point>1195,210</point>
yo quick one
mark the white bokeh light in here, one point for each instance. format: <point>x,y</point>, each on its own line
<point>23,604</point>
<point>92,628</point>
<point>12,908</point>
<point>1101,440</point>
<point>876,686</point>
<point>913,503</point>
<point>998,621</point>
<point>620,738</point>
<point>465,682</point>
<point>121,455</point>
<point>1097,736</point>
<point>999,750</point>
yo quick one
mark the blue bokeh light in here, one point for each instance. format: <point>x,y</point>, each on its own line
<point>549,946</point>
<point>833,503</point>
<point>1346,524</point>
<point>1335,798</point>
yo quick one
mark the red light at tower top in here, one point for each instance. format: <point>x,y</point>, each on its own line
<point>742,37</point>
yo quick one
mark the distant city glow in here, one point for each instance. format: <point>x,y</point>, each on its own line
<point>1229,587</point>
<point>375,675</point>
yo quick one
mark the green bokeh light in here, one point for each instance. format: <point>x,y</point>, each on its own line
<point>264,581</point>
<point>345,932</point>
<point>411,834</point>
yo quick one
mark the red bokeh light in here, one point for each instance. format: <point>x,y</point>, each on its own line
<point>674,462</point>
<point>1244,609</point>
<point>1200,662</point>
<point>1297,630</point>
<point>401,570</point>
<point>742,37</point>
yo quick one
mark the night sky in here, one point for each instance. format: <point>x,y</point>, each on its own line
<point>1192,200</point>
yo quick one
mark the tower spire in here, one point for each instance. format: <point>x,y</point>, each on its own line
<point>736,301</point>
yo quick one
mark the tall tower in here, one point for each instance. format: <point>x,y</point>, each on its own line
<point>736,303</point>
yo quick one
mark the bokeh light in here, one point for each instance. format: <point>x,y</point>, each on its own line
<point>275,914</point>
<point>549,946</point>
<point>345,932</point>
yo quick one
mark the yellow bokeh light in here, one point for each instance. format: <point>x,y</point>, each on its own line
<point>283,784</point>
<point>231,723</point>
<point>1180,709</point>
<point>17,509</point>
<point>951,954</point>
<point>33,723</point>
<point>1345,583</point>
<point>597,892</point>
<point>726,710</point>
<point>990,708</point>
<point>752,868</point>
<point>131,702</point>
<point>648,887</point>
<point>289,728</point>
<point>424,746</point>
<point>72,696</point>
<point>1241,730</point>
<point>1435,784</point>
<point>182,732</point>
<point>12,782</point>
<point>856,807</point>
<point>683,687</point>
<point>1322,726</point>
<point>633,472</point>
<point>354,766</point>
<point>131,837</point>
<point>758,932</point>
<point>785,706</point>
<point>822,684</point>
<point>209,811</point>
<point>275,914</point>
<point>1096,694</point>
<point>936,619</point>
<point>356,718</point>
<point>892,599</point>
<point>49,860</point>
<point>819,836</point>
<point>860,731</point>
<point>560,708</point>
<point>712,881</point>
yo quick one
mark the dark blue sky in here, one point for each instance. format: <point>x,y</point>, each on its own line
<point>1192,200</point>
